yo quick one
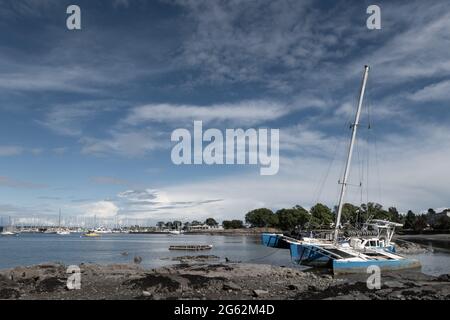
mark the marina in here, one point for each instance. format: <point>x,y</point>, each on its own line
<point>35,248</point>
<point>192,247</point>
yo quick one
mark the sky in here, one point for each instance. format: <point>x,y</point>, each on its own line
<point>86,115</point>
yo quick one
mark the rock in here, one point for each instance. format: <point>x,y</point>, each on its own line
<point>393,284</point>
<point>260,293</point>
<point>293,287</point>
<point>124,253</point>
<point>50,285</point>
<point>147,294</point>
<point>231,286</point>
<point>137,259</point>
<point>444,277</point>
<point>9,293</point>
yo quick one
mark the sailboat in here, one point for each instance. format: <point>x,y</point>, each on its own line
<point>61,231</point>
<point>354,254</point>
<point>8,231</point>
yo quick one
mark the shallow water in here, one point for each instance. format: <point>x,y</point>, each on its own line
<point>29,249</point>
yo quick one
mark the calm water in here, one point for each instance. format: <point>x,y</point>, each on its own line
<point>29,249</point>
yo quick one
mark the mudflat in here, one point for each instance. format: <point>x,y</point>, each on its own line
<point>210,281</point>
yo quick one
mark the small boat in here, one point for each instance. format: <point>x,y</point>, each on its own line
<point>174,232</point>
<point>191,247</point>
<point>8,230</point>
<point>61,231</point>
<point>102,230</point>
<point>8,233</point>
<point>91,234</point>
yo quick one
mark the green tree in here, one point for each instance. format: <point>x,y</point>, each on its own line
<point>442,223</point>
<point>321,216</point>
<point>261,217</point>
<point>420,224</point>
<point>350,214</point>
<point>211,222</point>
<point>169,225</point>
<point>410,220</point>
<point>395,215</point>
<point>177,224</point>
<point>186,225</point>
<point>160,224</point>
<point>233,224</point>
<point>288,219</point>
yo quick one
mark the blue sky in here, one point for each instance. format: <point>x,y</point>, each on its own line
<point>86,116</point>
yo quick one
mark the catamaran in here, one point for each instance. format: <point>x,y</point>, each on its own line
<point>352,254</point>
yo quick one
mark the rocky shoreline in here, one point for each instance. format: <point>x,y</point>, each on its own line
<point>210,281</point>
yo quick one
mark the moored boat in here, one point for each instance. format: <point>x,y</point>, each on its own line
<point>352,254</point>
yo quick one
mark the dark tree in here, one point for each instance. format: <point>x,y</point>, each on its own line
<point>350,214</point>
<point>442,223</point>
<point>233,224</point>
<point>169,225</point>
<point>321,216</point>
<point>394,215</point>
<point>420,224</point>
<point>410,220</point>
<point>288,219</point>
<point>177,224</point>
<point>262,217</point>
<point>211,222</point>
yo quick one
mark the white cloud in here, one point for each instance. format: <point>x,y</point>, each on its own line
<point>100,209</point>
<point>127,143</point>
<point>248,112</point>
<point>435,92</point>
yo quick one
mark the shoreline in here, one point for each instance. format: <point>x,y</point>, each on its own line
<point>201,281</point>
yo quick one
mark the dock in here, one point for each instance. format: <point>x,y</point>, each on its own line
<point>191,247</point>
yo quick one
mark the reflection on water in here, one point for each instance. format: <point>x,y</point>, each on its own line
<point>29,249</point>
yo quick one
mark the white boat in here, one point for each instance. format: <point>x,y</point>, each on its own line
<point>102,230</point>
<point>8,233</point>
<point>174,232</point>
<point>346,254</point>
<point>61,231</point>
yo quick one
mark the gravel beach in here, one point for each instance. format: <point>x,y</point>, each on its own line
<point>210,281</point>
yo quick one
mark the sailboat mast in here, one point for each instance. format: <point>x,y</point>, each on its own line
<point>350,153</point>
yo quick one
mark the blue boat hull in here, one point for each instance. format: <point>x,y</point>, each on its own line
<point>308,256</point>
<point>345,267</point>
<point>316,256</point>
<point>274,240</point>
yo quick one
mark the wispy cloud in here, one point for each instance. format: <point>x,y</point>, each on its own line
<point>6,151</point>
<point>248,112</point>
<point>109,181</point>
<point>434,92</point>
<point>13,183</point>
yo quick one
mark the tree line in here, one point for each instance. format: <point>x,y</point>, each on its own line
<point>321,216</point>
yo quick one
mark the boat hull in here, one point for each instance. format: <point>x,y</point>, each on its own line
<point>347,267</point>
<point>274,240</point>
<point>308,256</point>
